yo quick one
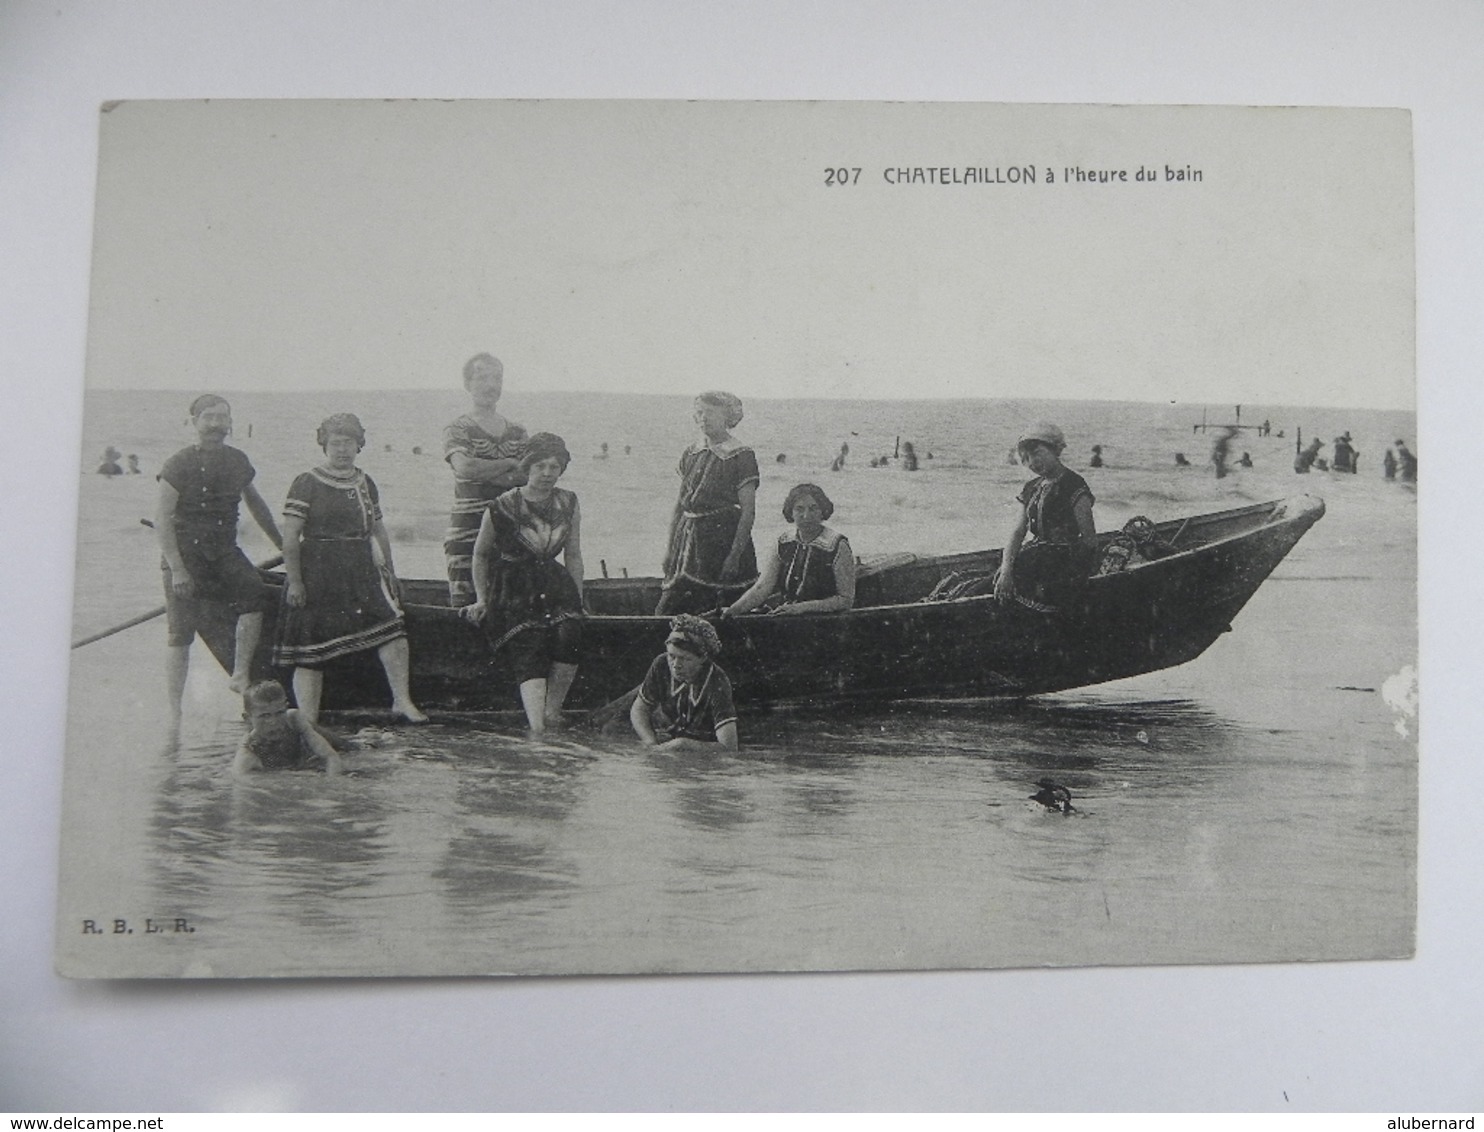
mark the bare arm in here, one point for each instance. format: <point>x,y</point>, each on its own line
<point>245,760</point>
<point>726,739</point>
<point>747,498</point>
<point>639,720</point>
<point>844,596</point>
<point>572,553</point>
<point>293,563</point>
<point>384,544</point>
<point>261,513</point>
<point>467,467</point>
<point>1004,581</point>
<point>318,744</point>
<point>1087,532</point>
<point>669,561</point>
<point>180,580</point>
<point>762,589</point>
<point>484,551</point>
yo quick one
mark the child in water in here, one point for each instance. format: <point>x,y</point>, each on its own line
<point>280,737</point>
<point>685,702</point>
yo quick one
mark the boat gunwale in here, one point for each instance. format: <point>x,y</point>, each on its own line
<point>1312,511</point>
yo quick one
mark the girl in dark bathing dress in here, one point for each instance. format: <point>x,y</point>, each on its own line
<point>339,599</point>
<point>529,605</point>
<point>810,569</point>
<point>1056,514</point>
<point>709,559</point>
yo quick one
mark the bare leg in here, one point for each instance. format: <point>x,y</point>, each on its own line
<point>533,699</point>
<point>308,684</point>
<point>557,686</point>
<point>249,629</point>
<point>397,661</point>
<point>177,664</point>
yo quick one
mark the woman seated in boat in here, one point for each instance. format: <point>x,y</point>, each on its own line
<point>529,605</point>
<point>809,569</point>
<point>341,596</point>
<point>685,702</point>
<point>709,560</point>
<point>1047,572</point>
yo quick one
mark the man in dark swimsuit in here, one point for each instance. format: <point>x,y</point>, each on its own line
<point>196,521</point>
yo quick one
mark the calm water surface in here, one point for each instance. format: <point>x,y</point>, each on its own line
<point>1256,804</point>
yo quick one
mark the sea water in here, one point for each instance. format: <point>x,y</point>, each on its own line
<point>1258,803</point>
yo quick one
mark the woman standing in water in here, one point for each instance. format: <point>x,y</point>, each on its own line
<point>531,607</point>
<point>1056,513</point>
<point>483,449</point>
<point>710,559</point>
<point>339,599</point>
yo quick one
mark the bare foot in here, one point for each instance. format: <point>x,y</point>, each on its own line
<point>408,713</point>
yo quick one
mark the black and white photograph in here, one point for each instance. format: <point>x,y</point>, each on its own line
<point>633,537</point>
<point>740,558</point>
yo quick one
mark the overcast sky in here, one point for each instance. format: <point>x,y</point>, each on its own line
<point>661,247</point>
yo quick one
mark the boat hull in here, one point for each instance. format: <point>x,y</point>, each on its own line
<point>892,646</point>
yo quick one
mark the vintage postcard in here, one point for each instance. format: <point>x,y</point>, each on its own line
<point>625,537</point>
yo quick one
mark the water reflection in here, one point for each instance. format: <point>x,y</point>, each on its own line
<point>286,845</point>
<point>492,852</point>
<point>1175,746</point>
<point>511,798</point>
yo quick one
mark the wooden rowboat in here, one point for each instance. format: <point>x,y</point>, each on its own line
<point>899,642</point>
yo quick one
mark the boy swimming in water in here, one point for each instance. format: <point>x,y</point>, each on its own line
<point>279,737</point>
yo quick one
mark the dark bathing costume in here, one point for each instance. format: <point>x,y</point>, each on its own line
<point>807,569</point>
<point>534,610</point>
<point>703,531</point>
<point>693,711</point>
<point>349,605</point>
<point>1052,568</point>
<point>286,751</point>
<point>210,482</point>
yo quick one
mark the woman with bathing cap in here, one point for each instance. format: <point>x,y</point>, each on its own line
<point>1056,514</point>
<point>709,559</point>
<point>529,605</point>
<point>809,569</point>
<point>685,702</point>
<point>339,598</point>
<point>483,451</point>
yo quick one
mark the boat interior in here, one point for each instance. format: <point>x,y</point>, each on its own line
<point>905,578</point>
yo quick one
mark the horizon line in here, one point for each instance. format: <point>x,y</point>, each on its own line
<point>761,397</point>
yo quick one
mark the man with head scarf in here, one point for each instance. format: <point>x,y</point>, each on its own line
<point>685,702</point>
<point>196,523</point>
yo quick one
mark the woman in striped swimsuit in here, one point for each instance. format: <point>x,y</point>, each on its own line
<point>483,449</point>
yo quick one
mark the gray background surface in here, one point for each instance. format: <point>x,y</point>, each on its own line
<point>1395,1036</point>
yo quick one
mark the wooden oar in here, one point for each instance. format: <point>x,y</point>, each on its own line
<point>266,564</point>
